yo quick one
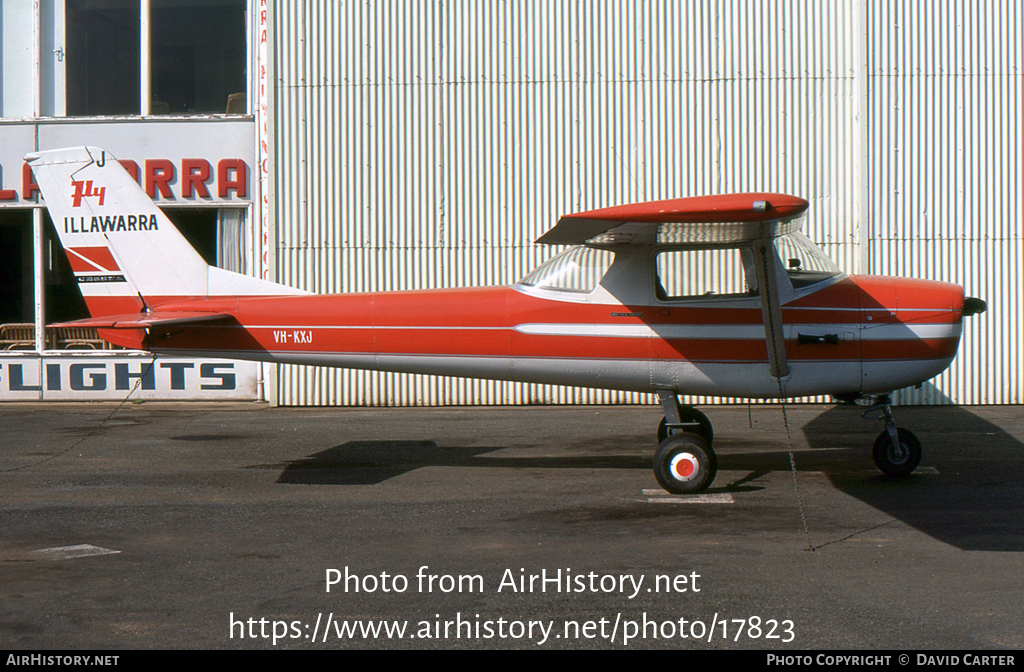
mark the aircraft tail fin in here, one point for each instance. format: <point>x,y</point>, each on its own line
<point>126,254</point>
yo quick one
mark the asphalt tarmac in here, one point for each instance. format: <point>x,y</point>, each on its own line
<point>243,526</point>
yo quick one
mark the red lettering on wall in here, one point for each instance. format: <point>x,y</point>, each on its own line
<point>6,194</point>
<point>194,175</point>
<point>28,182</point>
<point>158,173</point>
<point>160,176</point>
<point>131,167</point>
<point>224,182</point>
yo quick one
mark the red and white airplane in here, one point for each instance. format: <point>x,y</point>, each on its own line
<point>714,295</point>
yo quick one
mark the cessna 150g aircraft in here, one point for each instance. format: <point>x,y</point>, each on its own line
<point>715,295</point>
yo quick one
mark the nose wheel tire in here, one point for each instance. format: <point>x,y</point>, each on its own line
<point>898,460</point>
<point>703,427</point>
<point>685,464</point>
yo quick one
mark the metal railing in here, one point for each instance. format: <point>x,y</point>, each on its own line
<point>22,336</point>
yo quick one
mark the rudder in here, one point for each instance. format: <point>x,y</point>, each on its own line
<point>125,253</point>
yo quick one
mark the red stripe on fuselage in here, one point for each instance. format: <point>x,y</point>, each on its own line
<point>924,348</point>
<point>481,322</point>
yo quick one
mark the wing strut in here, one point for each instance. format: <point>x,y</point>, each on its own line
<point>765,265</point>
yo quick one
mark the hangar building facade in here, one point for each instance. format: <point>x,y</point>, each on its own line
<point>388,145</point>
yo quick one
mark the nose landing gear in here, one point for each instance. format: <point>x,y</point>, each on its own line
<point>897,450</point>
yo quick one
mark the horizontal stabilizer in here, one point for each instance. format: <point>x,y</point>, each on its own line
<point>146,320</point>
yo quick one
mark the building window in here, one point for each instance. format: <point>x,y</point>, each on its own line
<point>126,57</point>
<point>198,57</point>
<point>219,235</point>
<point>103,57</point>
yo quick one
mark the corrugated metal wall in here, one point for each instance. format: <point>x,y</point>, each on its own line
<point>426,144</point>
<point>945,125</point>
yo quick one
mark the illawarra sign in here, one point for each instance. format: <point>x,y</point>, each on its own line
<point>189,180</point>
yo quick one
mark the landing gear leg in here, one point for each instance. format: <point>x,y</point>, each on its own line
<point>680,418</point>
<point>685,462</point>
<point>897,450</point>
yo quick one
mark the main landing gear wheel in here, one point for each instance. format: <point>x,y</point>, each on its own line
<point>689,414</point>
<point>685,464</point>
<point>897,460</point>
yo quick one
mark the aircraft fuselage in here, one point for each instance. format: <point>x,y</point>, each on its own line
<point>862,334</point>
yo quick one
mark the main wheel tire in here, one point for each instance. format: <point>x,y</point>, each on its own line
<point>685,464</point>
<point>897,461</point>
<point>689,414</point>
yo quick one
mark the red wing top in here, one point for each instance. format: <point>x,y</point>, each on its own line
<point>721,219</point>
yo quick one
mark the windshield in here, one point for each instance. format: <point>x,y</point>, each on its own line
<point>578,269</point>
<point>805,263</point>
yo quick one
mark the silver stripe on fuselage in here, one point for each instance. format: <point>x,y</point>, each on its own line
<point>867,331</point>
<point>873,332</point>
<point>739,379</point>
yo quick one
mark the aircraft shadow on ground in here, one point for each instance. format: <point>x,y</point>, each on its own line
<point>371,462</point>
<point>974,502</point>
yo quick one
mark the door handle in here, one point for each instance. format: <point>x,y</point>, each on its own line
<point>812,339</point>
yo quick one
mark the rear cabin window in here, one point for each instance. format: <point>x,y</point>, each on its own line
<point>578,269</point>
<point>687,274</point>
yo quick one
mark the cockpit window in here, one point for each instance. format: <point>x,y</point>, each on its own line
<point>578,269</point>
<point>804,261</point>
<point>691,273</point>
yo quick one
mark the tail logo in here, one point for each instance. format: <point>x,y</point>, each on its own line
<point>84,189</point>
<point>91,260</point>
<point>98,224</point>
<point>93,264</point>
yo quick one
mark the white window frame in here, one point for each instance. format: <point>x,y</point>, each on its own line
<point>49,59</point>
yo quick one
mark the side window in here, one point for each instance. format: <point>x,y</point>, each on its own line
<point>687,274</point>
<point>578,269</point>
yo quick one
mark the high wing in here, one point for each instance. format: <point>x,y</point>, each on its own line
<point>722,219</point>
<point>727,219</point>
